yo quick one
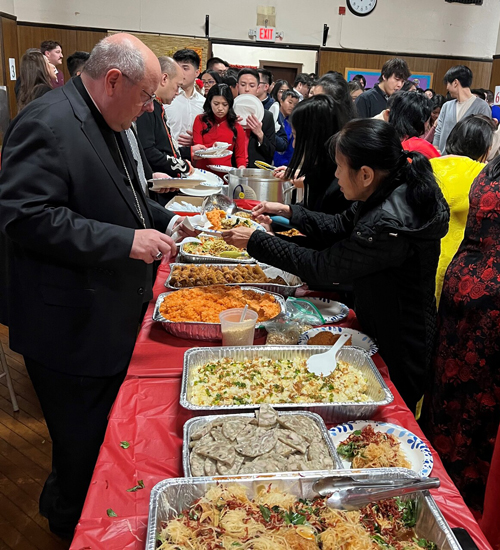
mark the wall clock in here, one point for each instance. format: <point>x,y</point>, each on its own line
<point>361,7</point>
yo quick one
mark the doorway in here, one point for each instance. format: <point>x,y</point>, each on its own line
<point>282,70</point>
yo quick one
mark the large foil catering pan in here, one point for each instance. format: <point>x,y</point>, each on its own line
<point>171,496</point>
<point>284,290</point>
<point>198,422</point>
<point>186,257</point>
<point>331,412</point>
<point>207,331</point>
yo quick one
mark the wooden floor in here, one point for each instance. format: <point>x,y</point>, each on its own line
<point>25,459</point>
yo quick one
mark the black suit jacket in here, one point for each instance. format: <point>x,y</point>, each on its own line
<point>264,151</point>
<point>157,146</point>
<point>75,296</point>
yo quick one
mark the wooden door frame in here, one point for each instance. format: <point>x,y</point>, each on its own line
<point>282,64</point>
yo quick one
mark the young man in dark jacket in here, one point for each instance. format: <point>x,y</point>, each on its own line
<point>393,75</point>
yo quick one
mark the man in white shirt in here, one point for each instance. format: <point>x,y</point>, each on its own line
<point>302,86</point>
<point>189,103</point>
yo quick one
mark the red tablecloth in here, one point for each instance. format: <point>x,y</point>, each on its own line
<point>147,414</point>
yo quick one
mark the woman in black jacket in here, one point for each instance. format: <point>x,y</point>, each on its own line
<point>387,244</point>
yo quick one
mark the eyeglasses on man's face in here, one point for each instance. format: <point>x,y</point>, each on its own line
<point>152,97</point>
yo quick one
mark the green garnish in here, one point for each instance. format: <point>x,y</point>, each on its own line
<point>124,444</point>
<point>266,513</point>
<point>140,485</point>
<point>356,432</point>
<point>294,518</point>
<point>111,513</point>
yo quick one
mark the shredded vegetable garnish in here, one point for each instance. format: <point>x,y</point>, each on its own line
<point>274,520</point>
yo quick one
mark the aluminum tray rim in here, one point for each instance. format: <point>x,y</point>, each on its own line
<point>388,397</point>
<point>160,487</point>
<point>277,285</point>
<point>197,258</point>
<point>188,426</point>
<point>157,316</point>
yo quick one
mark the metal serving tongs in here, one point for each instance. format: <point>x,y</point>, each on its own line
<point>264,166</point>
<point>352,493</point>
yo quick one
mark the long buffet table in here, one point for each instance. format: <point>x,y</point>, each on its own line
<point>147,414</point>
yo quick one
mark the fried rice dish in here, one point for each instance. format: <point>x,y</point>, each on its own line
<point>204,304</point>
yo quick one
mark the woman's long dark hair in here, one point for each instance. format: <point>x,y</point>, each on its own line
<point>34,78</point>
<point>315,121</point>
<point>335,85</point>
<point>375,143</point>
<point>209,117</point>
<point>277,87</point>
<point>408,114</point>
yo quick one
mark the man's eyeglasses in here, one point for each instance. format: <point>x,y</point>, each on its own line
<point>151,97</point>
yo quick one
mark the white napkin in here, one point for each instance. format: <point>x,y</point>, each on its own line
<point>190,222</point>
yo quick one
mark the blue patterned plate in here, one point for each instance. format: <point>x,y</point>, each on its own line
<point>416,451</point>
<point>359,340</point>
<point>332,311</point>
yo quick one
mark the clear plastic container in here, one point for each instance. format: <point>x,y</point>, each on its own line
<point>234,332</point>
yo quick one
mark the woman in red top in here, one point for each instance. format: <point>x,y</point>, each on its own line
<point>218,123</point>
<point>410,113</point>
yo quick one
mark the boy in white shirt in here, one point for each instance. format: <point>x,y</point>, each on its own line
<point>189,103</point>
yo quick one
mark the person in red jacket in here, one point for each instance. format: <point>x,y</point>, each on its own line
<point>218,123</point>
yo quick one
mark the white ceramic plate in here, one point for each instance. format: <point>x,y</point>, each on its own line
<point>248,104</point>
<point>416,451</point>
<point>221,168</point>
<point>254,224</point>
<point>359,340</point>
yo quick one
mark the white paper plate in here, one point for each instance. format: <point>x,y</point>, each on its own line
<point>178,183</point>
<point>332,311</point>
<point>416,451</point>
<point>359,340</point>
<point>204,155</point>
<point>201,191</point>
<point>221,168</point>
<point>248,104</point>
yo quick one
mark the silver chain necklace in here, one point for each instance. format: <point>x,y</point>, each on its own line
<point>137,205</point>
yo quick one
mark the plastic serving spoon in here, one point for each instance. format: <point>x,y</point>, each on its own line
<point>325,363</point>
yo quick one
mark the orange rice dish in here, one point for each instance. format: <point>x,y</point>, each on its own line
<point>215,217</point>
<point>204,304</point>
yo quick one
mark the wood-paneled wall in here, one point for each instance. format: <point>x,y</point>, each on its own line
<point>330,60</point>
<point>495,73</point>
<point>71,40</point>
<point>9,50</point>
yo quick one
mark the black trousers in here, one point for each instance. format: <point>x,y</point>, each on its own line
<point>76,410</point>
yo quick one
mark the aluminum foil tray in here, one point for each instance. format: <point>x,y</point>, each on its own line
<point>194,424</point>
<point>207,331</point>
<point>331,412</point>
<point>171,496</point>
<point>284,290</point>
<point>186,257</point>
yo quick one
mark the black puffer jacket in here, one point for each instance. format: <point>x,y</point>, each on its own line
<point>390,256</point>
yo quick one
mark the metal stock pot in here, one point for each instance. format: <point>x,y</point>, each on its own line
<point>257,184</point>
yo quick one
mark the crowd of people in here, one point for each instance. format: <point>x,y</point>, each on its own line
<point>400,208</point>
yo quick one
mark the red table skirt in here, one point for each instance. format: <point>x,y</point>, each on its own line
<point>148,415</point>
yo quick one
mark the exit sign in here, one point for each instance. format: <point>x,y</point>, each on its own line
<point>266,34</point>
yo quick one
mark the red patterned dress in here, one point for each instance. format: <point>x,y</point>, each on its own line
<point>463,406</point>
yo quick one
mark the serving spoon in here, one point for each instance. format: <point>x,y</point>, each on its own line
<point>323,364</point>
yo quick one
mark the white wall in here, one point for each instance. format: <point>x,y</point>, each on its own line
<point>250,55</point>
<point>406,26</point>
<point>7,6</point>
